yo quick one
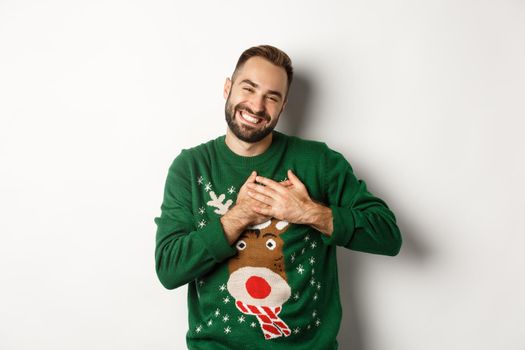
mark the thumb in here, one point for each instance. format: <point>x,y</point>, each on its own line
<point>294,179</point>
<point>252,177</point>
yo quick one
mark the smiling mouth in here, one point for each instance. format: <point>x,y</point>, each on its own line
<point>250,118</point>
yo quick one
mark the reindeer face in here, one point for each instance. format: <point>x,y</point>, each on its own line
<point>257,274</point>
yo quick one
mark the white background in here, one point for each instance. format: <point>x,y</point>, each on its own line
<point>424,98</point>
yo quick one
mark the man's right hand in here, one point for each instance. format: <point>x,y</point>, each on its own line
<point>241,215</point>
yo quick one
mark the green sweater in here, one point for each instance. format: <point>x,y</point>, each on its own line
<point>277,287</point>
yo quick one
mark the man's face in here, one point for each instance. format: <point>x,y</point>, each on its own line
<point>255,99</point>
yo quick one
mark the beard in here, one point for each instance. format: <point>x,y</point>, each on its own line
<point>244,132</point>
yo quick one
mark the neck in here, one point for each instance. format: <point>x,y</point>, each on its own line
<point>247,149</point>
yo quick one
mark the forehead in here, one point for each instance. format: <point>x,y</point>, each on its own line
<point>265,74</point>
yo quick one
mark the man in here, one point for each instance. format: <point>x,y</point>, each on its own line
<point>251,221</point>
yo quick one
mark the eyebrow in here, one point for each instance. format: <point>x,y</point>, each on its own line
<point>269,234</point>
<point>252,84</point>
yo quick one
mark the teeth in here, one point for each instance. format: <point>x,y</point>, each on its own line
<point>250,119</point>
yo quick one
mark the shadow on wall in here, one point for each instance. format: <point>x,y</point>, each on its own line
<point>296,113</point>
<point>353,333</point>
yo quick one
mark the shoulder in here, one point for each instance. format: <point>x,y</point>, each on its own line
<point>304,145</point>
<point>197,153</point>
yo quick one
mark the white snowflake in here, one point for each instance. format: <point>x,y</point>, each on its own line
<point>225,318</point>
<point>318,285</point>
<point>198,329</point>
<point>313,271</point>
<point>222,288</point>
<point>296,330</point>
<point>306,238</point>
<point>226,300</point>
<point>318,322</point>
<point>292,257</point>
<point>314,313</point>
<point>202,223</point>
<point>231,190</point>
<point>200,180</point>
<point>311,260</point>
<point>217,313</point>
<point>313,245</point>
<point>316,297</point>
<point>296,296</point>
<point>253,325</point>
<point>227,330</point>
<point>302,251</point>
<point>312,281</point>
<point>201,283</point>
<point>241,319</point>
<point>207,188</point>
<point>202,210</point>
<point>210,322</point>
<point>300,269</point>
<point>308,326</point>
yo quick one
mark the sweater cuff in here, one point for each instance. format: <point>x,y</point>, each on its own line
<point>215,241</point>
<point>344,227</point>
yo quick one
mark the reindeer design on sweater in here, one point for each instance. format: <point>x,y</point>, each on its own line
<point>257,278</point>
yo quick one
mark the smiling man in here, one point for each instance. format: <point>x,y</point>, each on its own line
<point>251,221</point>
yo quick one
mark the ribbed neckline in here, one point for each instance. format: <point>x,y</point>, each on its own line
<point>276,147</point>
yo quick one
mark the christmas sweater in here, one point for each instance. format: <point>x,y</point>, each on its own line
<point>277,286</point>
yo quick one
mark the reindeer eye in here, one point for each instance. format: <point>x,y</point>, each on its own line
<point>270,244</point>
<point>241,245</point>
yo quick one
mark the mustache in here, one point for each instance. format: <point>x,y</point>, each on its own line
<point>261,114</point>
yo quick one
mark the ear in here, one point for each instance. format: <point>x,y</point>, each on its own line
<point>227,88</point>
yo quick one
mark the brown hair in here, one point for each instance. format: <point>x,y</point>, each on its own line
<point>270,53</point>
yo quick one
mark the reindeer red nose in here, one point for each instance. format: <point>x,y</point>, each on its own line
<point>258,287</point>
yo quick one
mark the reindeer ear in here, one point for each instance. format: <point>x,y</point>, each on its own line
<point>281,225</point>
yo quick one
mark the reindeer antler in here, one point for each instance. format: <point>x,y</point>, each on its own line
<point>216,202</point>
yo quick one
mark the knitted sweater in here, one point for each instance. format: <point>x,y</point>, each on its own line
<point>277,286</point>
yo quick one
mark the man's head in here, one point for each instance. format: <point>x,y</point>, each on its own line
<point>257,92</point>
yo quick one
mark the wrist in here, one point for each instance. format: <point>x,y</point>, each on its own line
<point>319,217</point>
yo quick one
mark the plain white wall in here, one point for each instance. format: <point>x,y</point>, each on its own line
<point>425,99</point>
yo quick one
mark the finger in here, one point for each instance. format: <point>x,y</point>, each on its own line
<point>286,183</point>
<point>261,198</point>
<point>271,184</point>
<point>252,177</point>
<point>263,211</point>
<point>267,191</point>
<point>294,179</point>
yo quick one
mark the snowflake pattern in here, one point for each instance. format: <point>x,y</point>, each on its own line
<point>198,329</point>
<point>296,296</point>
<point>227,330</point>
<point>222,288</point>
<point>202,223</point>
<point>200,180</point>
<point>296,330</point>
<point>207,188</point>
<point>231,190</point>
<point>241,319</point>
<point>210,322</point>
<point>202,210</point>
<point>225,318</point>
<point>313,245</point>
<point>253,325</point>
<point>311,260</point>
<point>217,313</point>
<point>226,300</point>
<point>300,269</point>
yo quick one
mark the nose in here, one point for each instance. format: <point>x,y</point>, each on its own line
<point>257,287</point>
<point>257,103</point>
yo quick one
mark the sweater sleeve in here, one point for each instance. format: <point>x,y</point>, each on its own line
<point>361,221</point>
<point>183,253</point>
